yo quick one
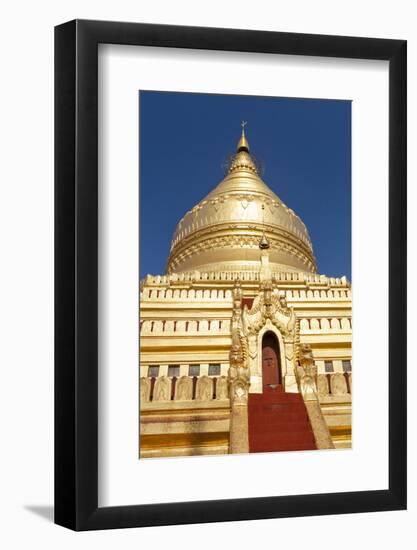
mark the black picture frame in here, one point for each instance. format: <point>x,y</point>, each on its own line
<point>76,272</point>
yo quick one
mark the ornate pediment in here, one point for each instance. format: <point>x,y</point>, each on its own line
<point>272,305</point>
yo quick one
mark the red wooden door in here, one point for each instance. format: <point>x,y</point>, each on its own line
<point>271,374</point>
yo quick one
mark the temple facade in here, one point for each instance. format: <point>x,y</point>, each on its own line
<point>244,347</point>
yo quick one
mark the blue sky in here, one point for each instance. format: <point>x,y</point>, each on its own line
<point>304,146</point>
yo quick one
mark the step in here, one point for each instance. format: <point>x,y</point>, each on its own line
<point>278,406</point>
<point>279,421</point>
<point>277,410</point>
<point>279,416</point>
<point>281,448</point>
<point>259,428</point>
<point>297,407</point>
<point>286,416</point>
<point>273,436</point>
<point>281,397</point>
<point>282,437</point>
<point>277,429</point>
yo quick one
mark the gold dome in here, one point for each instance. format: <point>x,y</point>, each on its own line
<point>224,230</point>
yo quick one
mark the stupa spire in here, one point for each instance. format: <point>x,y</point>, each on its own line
<point>243,144</point>
<point>242,160</point>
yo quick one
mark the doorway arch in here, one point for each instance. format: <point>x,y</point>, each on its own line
<point>271,364</point>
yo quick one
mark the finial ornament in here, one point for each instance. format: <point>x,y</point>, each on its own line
<point>263,243</point>
<point>243,144</point>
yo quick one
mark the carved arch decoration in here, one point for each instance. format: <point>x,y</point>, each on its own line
<point>269,312</point>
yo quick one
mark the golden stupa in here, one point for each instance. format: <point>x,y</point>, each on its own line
<point>222,232</point>
<point>241,334</point>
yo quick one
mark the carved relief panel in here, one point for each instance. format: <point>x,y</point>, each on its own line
<point>162,389</point>
<point>184,389</point>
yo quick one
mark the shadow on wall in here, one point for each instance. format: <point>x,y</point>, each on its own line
<point>45,512</point>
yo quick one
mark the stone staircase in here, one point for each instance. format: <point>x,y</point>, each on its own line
<point>278,421</point>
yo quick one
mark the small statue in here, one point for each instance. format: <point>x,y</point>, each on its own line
<point>307,372</point>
